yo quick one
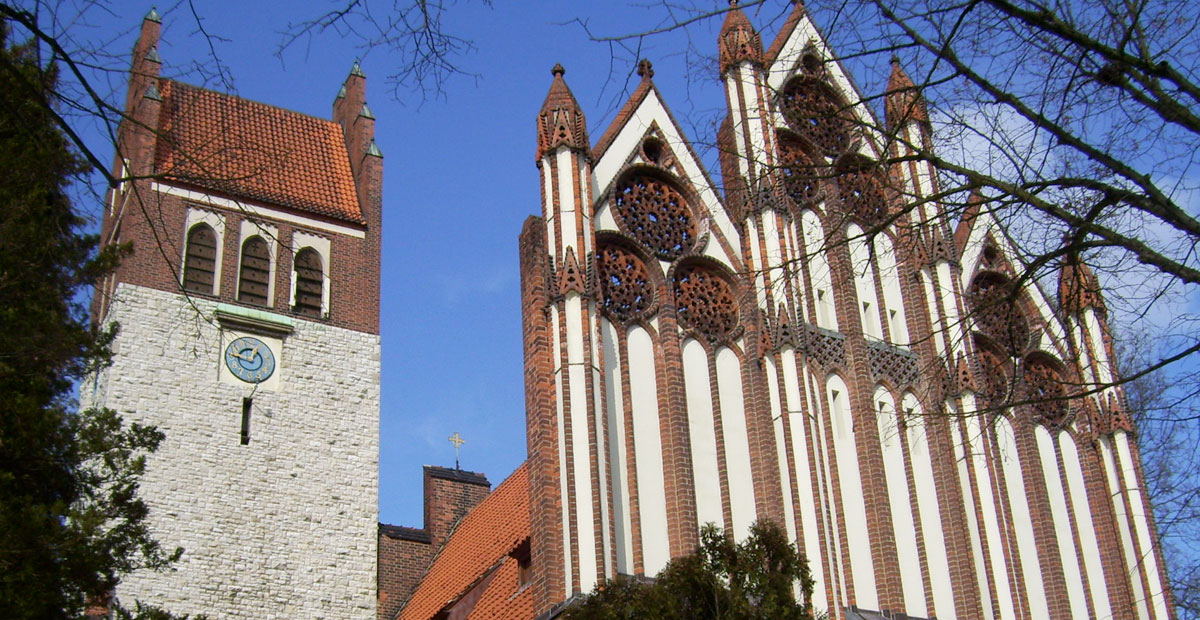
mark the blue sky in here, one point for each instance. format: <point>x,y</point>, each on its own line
<point>459,180</point>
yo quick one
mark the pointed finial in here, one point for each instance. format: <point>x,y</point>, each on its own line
<point>153,16</point>
<point>366,112</point>
<point>357,70</point>
<point>152,93</point>
<point>645,69</point>
<point>557,70</point>
<point>152,55</point>
<point>373,149</point>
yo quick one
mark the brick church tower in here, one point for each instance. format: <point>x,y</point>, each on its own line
<point>249,334</point>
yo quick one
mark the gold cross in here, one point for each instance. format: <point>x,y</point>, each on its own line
<point>458,442</point>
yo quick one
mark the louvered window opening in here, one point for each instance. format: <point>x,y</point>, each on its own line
<point>200,263</point>
<point>309,283</point>
<point>256,272</point>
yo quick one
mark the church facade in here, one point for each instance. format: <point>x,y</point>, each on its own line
<point>814,341</point>
<point>249,335</point>
<point>818,343</point>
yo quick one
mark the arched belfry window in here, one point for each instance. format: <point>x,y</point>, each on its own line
<point>255,274</point>
<point>310,283</point>
<point>200,260</point>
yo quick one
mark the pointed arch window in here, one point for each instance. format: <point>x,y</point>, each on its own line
<point>310,283</point>
<point>200,260</point>
<point>254,276</point>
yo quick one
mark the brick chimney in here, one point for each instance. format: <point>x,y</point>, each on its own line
<point>449,495</point>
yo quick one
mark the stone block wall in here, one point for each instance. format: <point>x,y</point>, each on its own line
<point>283,527</point>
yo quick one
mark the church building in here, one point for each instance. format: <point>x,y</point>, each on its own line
<point>817,342</point>
<point>809,338</point>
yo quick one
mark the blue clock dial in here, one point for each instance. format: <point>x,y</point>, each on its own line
<point>250,359</point>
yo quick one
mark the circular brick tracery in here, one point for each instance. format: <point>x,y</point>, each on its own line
<point>997,314</point>
<point>625,286</point>
<point>705,302</point>
<point>1044,387</point>
<point>655,213</point>
<point>811,110</point>
<point>861,188</point>
<point>799,172</point>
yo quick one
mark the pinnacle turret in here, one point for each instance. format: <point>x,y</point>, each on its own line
<point>561,121</point>
<point>904,101</point>
<point>738,41</point>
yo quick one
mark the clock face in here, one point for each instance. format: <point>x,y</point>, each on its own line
<point>250,359</point>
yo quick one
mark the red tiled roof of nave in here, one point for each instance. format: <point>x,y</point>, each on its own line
<point>499,601</point>
<point>483,538</point>
<point>248,149</point>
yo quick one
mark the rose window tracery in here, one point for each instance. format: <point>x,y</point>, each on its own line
<point>861,188</point>
<point>799,173</point>
<point>1046,392</point>
<point>994,383</point>
<point>655,213</point>
<point>997,313</point>
<point>705,302</point>
<point>625,288</point>
<point>811,110</point>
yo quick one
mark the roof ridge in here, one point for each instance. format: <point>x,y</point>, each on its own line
<point>253,101</point>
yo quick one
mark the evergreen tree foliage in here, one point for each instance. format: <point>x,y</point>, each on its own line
<point>71,523</point>
<point>723,580</point>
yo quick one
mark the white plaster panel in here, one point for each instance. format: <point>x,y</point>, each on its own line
<point>987,504</point>
<point>807,499</point>
<point>566,203</point>
<point>550,209</point>
<point>647,444</point>
<point>893,302</point>
<point>928,509</point>
<point>854,511</point>
<point>284,526</point>
<point>560,419</point>
<point>614,379</point>
<point>739,128</point>
<point>864,282</point>
<point>961,450</point>
<point>737,443</point>
<point>1035,590</point>
<point>955,330</point>
<point>1121,516</point>
<point>703,434</point>
<point>1048,456</point>
<point>580,444</point>
<point>785,473</point>
<point>758,265</point>
<point>1141,526</point>
<point>818,267</point>
<point>939,333</point>
<point>1089,545</point>
<point>895,473</point>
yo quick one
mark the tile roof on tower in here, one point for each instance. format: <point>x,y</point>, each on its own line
<point>243,148</point>
<point>480,549</point>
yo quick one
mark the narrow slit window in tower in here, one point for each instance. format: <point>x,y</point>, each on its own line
<point>247,403</point>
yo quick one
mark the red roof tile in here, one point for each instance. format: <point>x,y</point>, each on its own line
<point>503,600</point>
<point>247,149</point>
<point>483,538</point>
